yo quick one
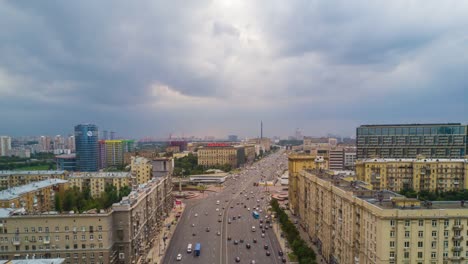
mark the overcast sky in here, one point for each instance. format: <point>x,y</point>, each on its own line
<point>150,68</point>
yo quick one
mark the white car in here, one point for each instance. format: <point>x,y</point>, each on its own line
<point>217,209</point>
<point>196,215</point>
<point>179,257</point>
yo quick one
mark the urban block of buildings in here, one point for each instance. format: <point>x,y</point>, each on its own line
<point>221,154</point>
<point>410,140</point>
<point>419,174</point>
<point>10,179</point>
<point>351,223</point>
<point>33,197</point>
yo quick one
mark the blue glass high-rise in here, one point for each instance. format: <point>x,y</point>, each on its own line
<point>86,141</point>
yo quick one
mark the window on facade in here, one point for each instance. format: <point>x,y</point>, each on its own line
<point>420,254</point>
<point>420,233</point>
<point>392,244</point>
<point>407,222</point>
<point>406,244</point>
<point>420,244</point>
<point>434,233</point>
<point>434,223</point>
<point>421,222</point>
<point>446,223</point>
<point>446,233</point>
<point>406,255</point>
<point>407,234</point>
<point>392,222</point>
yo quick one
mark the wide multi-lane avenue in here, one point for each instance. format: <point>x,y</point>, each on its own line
<point>217,227</point>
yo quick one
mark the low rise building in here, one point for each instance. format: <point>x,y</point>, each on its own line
<point>173,149</point>
<point>419,174</point>
<point>66,162</point>
<point>10,179</point>
<point>349,159</point>
<point>97,181</point>
<point>33,197</point>
<point>249,153</point>
<point>336,158</point>
<point>352,224</point>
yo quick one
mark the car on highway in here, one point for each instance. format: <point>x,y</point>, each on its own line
<point>253,262</point>
<point>207,229</point>
<point>247,246</point>
<point>229,238</point>
<point>263,235</point>
<point>220,220</point>
<point>179,257</point>
<point>220,214</point>
<point>217,209</point>
<point>196,215</point>
<point>266,227</point>
<point>218,233</point>
<point>255,240</point>
<point>268,253</point>
<point>283,259</point>
<point>236,242</point>
<point>241,241</point>
<point>280,253</point>
<point>253,228</point>
<point>237,259</point>
<point>248,208</point>
<point>233,218</point>
<point>265,246</point>
<point>229,221</point>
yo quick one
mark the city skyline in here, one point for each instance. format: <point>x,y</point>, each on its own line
<point>217,68</point>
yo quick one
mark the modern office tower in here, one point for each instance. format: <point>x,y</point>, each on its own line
<point>86,143</point>
<point>71,143</point>
<point>5,145</point>
<point>45,143</point>
<point>408,141</point>
<point>114,153</point>
<point>420,174</point>
<point>102,153</point>
<point>350,223</point>
<point>105,135</point>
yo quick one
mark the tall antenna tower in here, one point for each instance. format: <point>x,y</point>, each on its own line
<point>261,130</point>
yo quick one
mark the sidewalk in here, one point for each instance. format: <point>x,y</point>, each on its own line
<point>282,240</point>
<point>159,248</point>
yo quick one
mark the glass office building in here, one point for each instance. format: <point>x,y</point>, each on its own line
<point>86,141</point>
<point>408,141</point>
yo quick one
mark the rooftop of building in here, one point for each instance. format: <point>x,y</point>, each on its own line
<point>66,156</point>
<point>47,172</point>
<point>140,160</point>
<point>100,174</point>
<point>415,124</point>
<point>421,160</point>
<point>33,261</point>
<point>137,194</point>
<point>17,191</point>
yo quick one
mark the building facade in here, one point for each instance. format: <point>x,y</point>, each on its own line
<point>66,162</point>
<point>86,143</point>
<point>297,163</point>
<point>122,234</point>
<point>351,224</point>
<point>5,145</point>
<point>221,154</point>
<point>409,141</point>
<point>350,159</point>
<point>114,153</point>
<point>336,159</point>
<point>9,179</point>
<point>141,169</point>
<point>96,181</point>
<point>33,197</point>
<point>421,174</point>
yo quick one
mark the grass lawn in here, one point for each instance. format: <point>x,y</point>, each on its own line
<point>34,168</point>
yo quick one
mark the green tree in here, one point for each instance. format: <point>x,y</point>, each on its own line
<point>58,203</point>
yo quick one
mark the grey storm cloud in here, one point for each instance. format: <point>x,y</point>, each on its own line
<point>154,67</point>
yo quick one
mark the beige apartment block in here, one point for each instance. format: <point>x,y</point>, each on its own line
<point>352,224</point>
<point>122,234</point>
<point>249,153</point>
<point>97,181</point>
<point>37,196</point>
<point>297,163</point>
<point>141,169</point>
<point>419,174</point>
<point>10,179</point>
<point>221,154</point>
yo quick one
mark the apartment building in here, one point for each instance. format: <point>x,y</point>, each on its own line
<point>410,140</point>
<point>122,234</point>
<point>420,174</point>
<point>97,181</point>
<point>336,158</point>
<point>33,197</point>
<point>221,154</point>
<point>352,224</point>
<point>297,163</point>
<point>10,179</point>
<point>114,153</point>
<point>249,153</point>
<point>350,159</point>
<point>141,169</point>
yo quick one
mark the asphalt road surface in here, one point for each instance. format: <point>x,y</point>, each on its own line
<point>237,197</point>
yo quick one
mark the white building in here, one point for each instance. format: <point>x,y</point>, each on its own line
<point>5,145</point>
